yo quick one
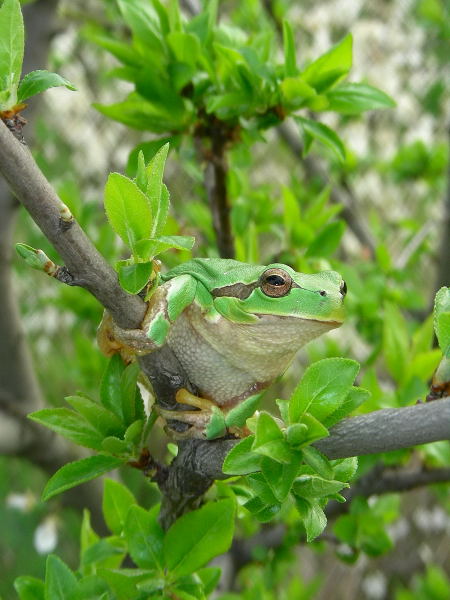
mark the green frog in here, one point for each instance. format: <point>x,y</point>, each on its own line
<point>234,328</point>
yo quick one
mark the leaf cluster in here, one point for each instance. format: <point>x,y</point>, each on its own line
<point>167,564</point>
<point>137,210</point>
<point>207,78</point>
<point>278,460</point>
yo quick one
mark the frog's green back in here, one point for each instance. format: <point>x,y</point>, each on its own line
<point>215,272</point>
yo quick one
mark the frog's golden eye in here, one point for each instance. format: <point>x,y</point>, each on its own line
<point>275,283</point>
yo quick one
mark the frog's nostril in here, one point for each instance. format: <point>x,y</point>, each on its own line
<point>323,293</point>
<point>343,288</point>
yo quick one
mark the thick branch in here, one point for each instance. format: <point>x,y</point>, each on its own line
<point>380,431</point>
<point>83,260</point>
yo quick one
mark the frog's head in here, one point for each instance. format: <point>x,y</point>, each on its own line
<point>313,301</point>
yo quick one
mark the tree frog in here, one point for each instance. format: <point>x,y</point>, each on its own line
<point>234,328</point>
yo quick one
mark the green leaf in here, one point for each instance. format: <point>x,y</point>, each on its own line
<point>141,114</point>
<point>93,587</point>
<point>314,519</point>
<point>316,430</point>
<point>108,552</point>
<point>110,389</point>
<point>332,66</point>
<point>270,441</point>
<point>395,342</point>
<point>134,277</point>
<point>296,92</point>
<point>324,135</point>
<point>69,424</point>
<point>79,471</point>
<point>241,460</point>
<point>11,51</point>
<point>323,388</point>
<point>442,319</point>
<point>38,81</point>
<point>185,46</point>
<point>129,391</point>
<point>197,537</point>
<point>102,419</point>
<point>290,62</point>
<point>280,477</point>
<point>345,468</point>
<point>147,249</point>
<point>157,192</point>
<point>127,209</point>
<point>354,98</point>
<point>314,486</point>
<point>60,582</point>
<point>327,241</point>
<point>117,499</point>
<point>355,398</point>
<point>145,537</point>
<point>317,461</point>
<point>29,588</point>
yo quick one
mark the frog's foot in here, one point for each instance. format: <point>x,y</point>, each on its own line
<point>207,421</point>
<point>113,339</point>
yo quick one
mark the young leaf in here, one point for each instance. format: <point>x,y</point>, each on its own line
<point>69,424</point>
<point>145,537</point>
<point>270,441</point>
<point>279,476</point>
<point>332,66</point>
<point>323,388</point>
<point>395,342</point>
<point>314,519</point>
<point>102,419</point>
<point>442,320</point>
<point>324,135</point>
<point>128,388</point>
<point>60,582</point>
<point>38,81</point>
<point>29,588</point>
<point>157,192</point>
<point>134,277</point>
<point>79,471</point>
<point>241,460</point>
<point>197,537</point>
<point>354,98</point>
<point>117,500</point>
<point>290,63</point>
<point>327,241</point>
<point>314,486</point>
<point>355,398</point>
<point>127,209</point>
<point>11,51</point>
<point>110,390</point>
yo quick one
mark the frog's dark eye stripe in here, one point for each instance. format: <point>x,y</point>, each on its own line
<point>275,283</point>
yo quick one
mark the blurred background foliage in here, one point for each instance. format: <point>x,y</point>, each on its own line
<point>377,217</point>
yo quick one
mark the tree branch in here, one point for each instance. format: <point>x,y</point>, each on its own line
<point>379,431</point>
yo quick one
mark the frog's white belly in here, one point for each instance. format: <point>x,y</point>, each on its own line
<point>226,360</point>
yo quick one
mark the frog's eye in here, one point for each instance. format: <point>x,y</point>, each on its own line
<point>275,283</point>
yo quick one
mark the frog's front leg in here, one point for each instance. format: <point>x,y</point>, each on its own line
<point>167,303</point>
